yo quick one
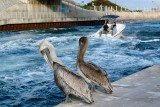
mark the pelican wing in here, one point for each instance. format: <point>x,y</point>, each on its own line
<point>94,73</point>
<point>97,68</point>
<point>77,85</point>
<point>104,80</point>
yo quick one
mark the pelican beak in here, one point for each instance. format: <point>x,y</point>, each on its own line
<point>46,54</point>
<point>110,88</point>
<point>110,91</point>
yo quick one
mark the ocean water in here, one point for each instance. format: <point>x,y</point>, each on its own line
<point>26,79</point>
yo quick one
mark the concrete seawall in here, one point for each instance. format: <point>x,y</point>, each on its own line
<point>141,89</point>
<point>33,14</point>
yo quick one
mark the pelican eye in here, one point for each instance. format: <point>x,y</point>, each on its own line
<point>81,43</point>
<point>46,50</point>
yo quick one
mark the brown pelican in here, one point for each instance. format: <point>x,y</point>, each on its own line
<point>70,83</point>
<point>92,73</point>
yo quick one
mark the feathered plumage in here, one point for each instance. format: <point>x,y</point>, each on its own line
<point>69,82</point>
<point>90,71</point>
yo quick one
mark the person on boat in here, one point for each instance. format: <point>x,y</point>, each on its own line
<point>105,27</point>
<point>113,26</point>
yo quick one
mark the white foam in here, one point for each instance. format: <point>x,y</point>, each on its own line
<point>16,44</point>
<point>153,40</point>
<point>33,74</point>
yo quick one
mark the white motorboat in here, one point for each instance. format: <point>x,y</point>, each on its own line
<point>113,32</point>
<point>116,32</point>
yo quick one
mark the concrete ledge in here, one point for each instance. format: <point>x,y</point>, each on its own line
<point>141,89</point>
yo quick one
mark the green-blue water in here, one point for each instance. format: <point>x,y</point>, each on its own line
<point>26,79</point>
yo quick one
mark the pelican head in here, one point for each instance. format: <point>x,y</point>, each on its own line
<point>83,42</point>
<point>48,52</point>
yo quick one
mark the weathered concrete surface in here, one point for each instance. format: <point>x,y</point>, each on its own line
<point>139,16</point>
<point>141,89</point>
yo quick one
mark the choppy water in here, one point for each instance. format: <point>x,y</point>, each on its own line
<point>26,80</point>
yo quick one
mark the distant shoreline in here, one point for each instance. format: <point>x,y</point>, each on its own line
<point>139,20</point>
<point>138,16</point>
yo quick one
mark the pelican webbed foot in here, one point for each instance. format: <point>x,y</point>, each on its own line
<point>93,87</point>
<point>68,99</point>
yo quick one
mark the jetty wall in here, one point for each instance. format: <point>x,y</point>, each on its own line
<point>33,11</point>
<point>34,14</point>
